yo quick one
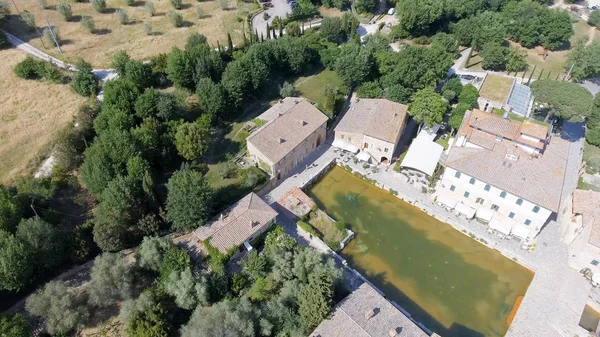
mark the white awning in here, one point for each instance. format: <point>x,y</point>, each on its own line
<point>423,155</point>
<point>468,211</point>
<point>345,145</point>
<point>501,226</point>
<point>485,214</point>
<point>521,231</point>
<point>450,203</point>
<point>364,156</point>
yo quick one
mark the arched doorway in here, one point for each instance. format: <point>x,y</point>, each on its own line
<point>384,160</point>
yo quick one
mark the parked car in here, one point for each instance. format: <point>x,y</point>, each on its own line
<point>392,11</point>
<point>467,77</point>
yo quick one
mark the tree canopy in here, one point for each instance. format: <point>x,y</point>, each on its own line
<point>565,99</point>
<point>427,107</point>
<point>189,199</point>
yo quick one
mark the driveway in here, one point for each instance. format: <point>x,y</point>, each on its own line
<point>280,8</point>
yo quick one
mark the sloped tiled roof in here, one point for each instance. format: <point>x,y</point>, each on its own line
<point>237,223</point>
<point>377,118</point>
<point>534,130</point>
<point>587,203</point>
<point>365,313</point>
<point>279,137</point>
<point>493,124</point>
<point>537,179</point>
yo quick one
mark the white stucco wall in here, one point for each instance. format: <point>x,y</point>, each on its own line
<point>506,205</point>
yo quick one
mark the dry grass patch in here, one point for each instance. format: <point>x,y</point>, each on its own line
<point>496,88</point>
<point>110,37</point>
<point>30,114</point>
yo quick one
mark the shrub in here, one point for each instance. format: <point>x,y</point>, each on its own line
<point>287,90</point>
<point>148,29</point>
<point>421,40</point>
<point>28,19</point>
<point>449,95</point>
<point>99,5</point>
<point>88,23</point>
<point>307,228</point>
<point>365,165</point>
<point>52,73</point>
<point>122,17</point>
<point>29,68</point>
<point>176,4</point>
<point>176,18</point>
<point>393,192</point>
<point>4,11</point>
<point>199,12</point>
<point>64,9</point>
<point>594,18</point>
<point>149,7</point>
<point>223,4</point>
<point>43,4</point>
<point>129,2</point>
<point>340,226</point>
<point>48,38</point>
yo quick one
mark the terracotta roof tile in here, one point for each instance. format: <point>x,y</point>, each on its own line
<point>377,118</point>
<point>279,137</point>
<point>365,313</point>
<point>237,223</point>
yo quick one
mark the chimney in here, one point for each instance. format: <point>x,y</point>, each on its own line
<point>253,223</point>
<point>296,101</point>
<point>303,122</point>
<point>280,140</point>
<point>281,100</point>
<point>221,217</point>
<point>369,314</point>
<point>393,332</point>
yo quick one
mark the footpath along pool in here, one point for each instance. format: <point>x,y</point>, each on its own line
<point>451,283</point>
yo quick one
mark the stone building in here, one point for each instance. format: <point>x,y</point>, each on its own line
<point>296,129</point>
<point>374,126</point>
<point>504,172</point>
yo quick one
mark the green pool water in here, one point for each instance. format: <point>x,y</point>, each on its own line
<point>452,284</point>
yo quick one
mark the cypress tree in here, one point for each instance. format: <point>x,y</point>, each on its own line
<point>229,44</point>
<point>219,47</point>
<point>274,34</point>
<point>244,37</point>
<point>281,29</point>
<point>268,32</point>
<point>262,38</point>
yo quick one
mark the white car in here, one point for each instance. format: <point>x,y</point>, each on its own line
<point>392,11</point>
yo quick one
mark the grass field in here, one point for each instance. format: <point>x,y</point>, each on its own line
<point>312,87</point>
<point>30,113</point>
<point>554,65</point>
<point>98,48</point>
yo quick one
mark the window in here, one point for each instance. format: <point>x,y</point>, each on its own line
<point>495,207</point>
<point>528,222</point>
<point>519,201</point>
<point>472,181</point>
<point>487,187</point>
<point>457,174</point>
<point>366,145</point>
<point>385,150</point>
<point>511,215</point>
<point>467,194</point>
<point>595,262</point>
<point>452,188</point>
<point>342,136</point>
<point>536,209</point>
<point>502,194</point>
<point>479,201</point>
